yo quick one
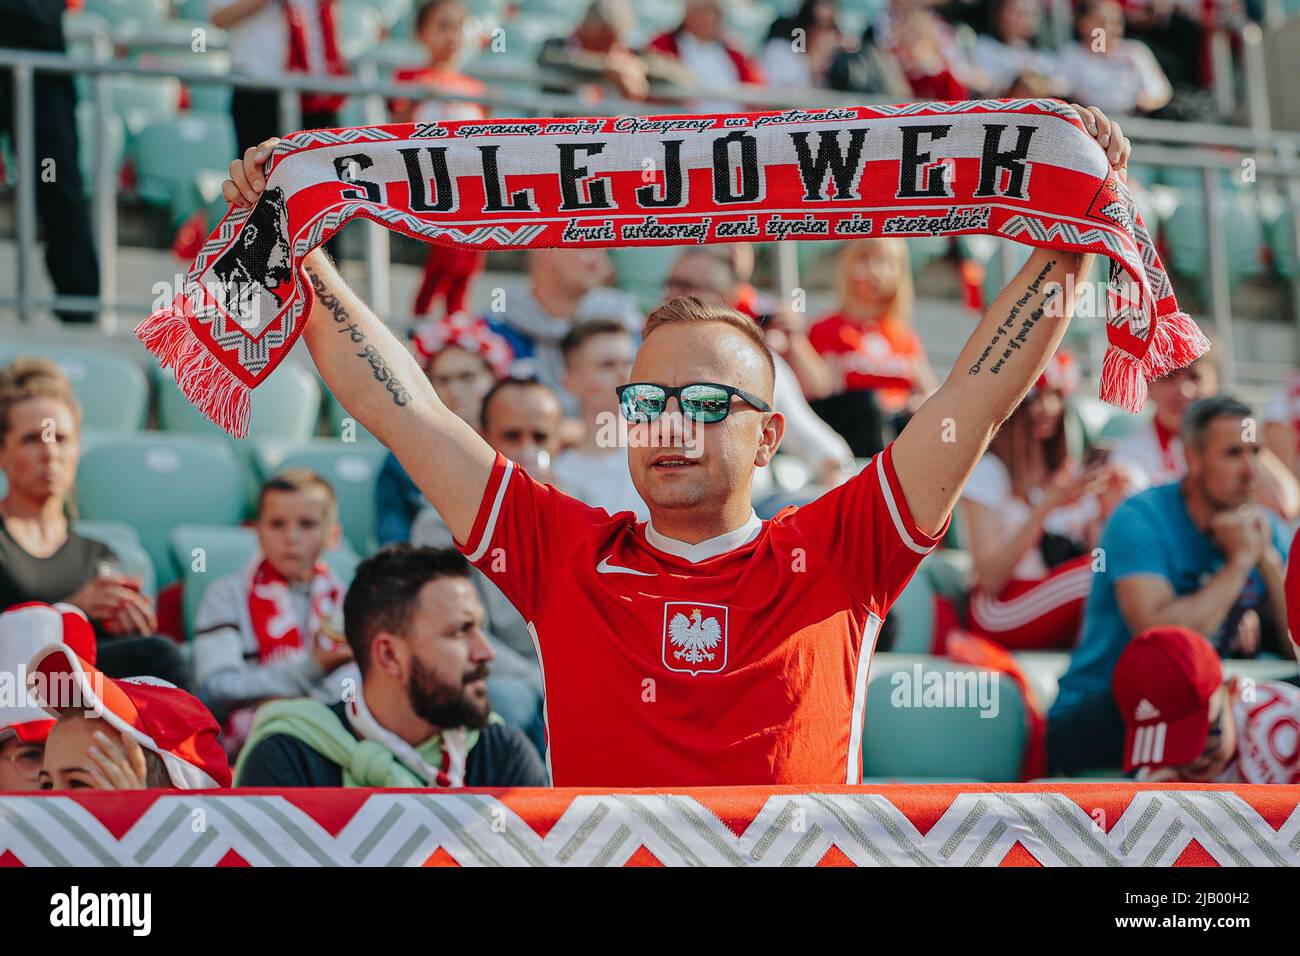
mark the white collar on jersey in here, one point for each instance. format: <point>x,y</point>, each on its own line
<point>708,548</point>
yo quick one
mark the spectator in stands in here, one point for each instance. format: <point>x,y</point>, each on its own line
<point>24,725</point>
<point>598,357</point>
<point>61,203</point>
<point>800,49</point>
<point>1008,51</point>
<point>129,734</point>
<point>269,38</point>
<point>867,68</point>
<point>870,343</point>
<point>421,716</point>
<point>925,46</point>
<point>709,275</point>
<point>703,49</point>
<point>1101,66</point>
<point>1184,724</point>
<point>273,629</point>
<point>449,271</point>
<point>596,54</point>
<point>41,557</point>
<point>1032,515</point>
<point>1153,455</point>
<point>1281,419</point>
<point>1200,554</point>
<point>521,419</point>
<point>462,358</point>
<point>565,286</point>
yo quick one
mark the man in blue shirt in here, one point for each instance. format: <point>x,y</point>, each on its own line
<point>1197,553</point>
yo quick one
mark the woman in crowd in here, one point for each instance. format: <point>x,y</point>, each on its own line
<point>925,46</point>
<point>463,359</point>
<point>800,49</point>
<point>1119,75</point>
<point>875,357</point>
<point>41,557</point>
<point>1032,515</point>
<point>1008,53</point>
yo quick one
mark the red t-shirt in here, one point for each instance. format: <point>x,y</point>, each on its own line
<point>741,660</point>
<point>433,109</point>
<point>881,356</point>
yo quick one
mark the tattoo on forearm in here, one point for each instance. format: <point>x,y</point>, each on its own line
<point>1003,331</point>
<point>378,364</point>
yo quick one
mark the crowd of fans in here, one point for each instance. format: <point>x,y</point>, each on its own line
<point>1150,559</point>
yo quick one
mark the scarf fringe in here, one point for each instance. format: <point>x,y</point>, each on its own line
<point>1176,343</point>
<point>210,386</point>
<point>1123,383</point>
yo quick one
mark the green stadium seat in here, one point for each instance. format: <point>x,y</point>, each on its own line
<point>342,425</point>
<point>1279,230</point>
<point>950,571</point>
<point>118,12</point>
<point>901,740</point>
<point>125,543</point>
<point>143,100</point>
<point>1186,233</point>
<point>225,550</point>
<point>913,613</point>
<point>155,481</point>
<point>87,131</point>
<point>170,153</point>
<point>350,468</point>
<point>642,271</point>
<point>1121,425</point>
<point>360,27</point>
<point>286,406</point>
<point>112,388</point>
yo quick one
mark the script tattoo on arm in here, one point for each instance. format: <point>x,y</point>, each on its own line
<point>1010,344</point>
<point>378,364</point>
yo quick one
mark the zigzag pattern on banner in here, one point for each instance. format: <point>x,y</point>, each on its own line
<point>912,109</point>
<point>325,137</point>
<point>406,829</point>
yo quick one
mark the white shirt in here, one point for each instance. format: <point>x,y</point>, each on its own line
<point>710,65</point>
<point>1113,81</point>
<point>259,44</point>
<point>601,479</point>
<point>1145,463</point>
<point>1004,63</point>
<point>990,486</point>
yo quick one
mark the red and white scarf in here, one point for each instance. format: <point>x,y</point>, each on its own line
<point>1020,169</point>
<point>314,48</point>
<point>271,613</point>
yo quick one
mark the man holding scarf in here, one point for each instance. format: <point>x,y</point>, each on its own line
<point>704,647</point>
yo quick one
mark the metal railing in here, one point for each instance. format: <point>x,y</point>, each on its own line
<point>1210,148</point>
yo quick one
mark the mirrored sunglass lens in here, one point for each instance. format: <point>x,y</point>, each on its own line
<point>705,403</point>
<point>642,403</point>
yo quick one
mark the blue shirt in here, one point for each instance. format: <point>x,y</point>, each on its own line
<point>1150,533</point>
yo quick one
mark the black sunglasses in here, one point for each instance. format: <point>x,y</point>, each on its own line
<point>704,402</point>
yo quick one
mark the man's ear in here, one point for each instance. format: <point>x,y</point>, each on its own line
<point>385,655</point>
<point>770,440</point>
<point>335,535</point>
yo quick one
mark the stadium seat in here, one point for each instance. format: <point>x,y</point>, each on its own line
<point>351,469</point>
<point>170,153</point>
<point>125,543</point>
<point>203,553</point>
<point>342,425</point>
<point>360,25</point>
<point>286,405</point>
<point>118,12</point>
<point>87,131</point>
<point>913,613</point>
<point>901,740</point>
<point>154,481</point>
<point>642,271</point>
<point>142,100</point>
<point>112,388</point>
<point>1186,233</point>
<point>1121,425</point>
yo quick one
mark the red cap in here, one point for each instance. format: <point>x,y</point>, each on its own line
<point>466,332</point>
<point>160,716</point>
<point>1163,685</point>
<point>24,630</point>
<point>1061,374</point>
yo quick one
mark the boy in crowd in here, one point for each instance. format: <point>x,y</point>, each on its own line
<point>265,632</point>
<point>1183,723</point>
<point>597,359</point>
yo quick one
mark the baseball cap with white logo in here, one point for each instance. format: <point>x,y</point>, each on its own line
<point>1163,684</point>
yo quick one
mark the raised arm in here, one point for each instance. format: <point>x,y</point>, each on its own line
<point>378,381</point>
<point>937,450</point>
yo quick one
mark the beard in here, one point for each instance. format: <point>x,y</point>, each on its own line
<point>444,705</point>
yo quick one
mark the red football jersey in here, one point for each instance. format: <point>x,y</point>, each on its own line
<point>738,660</point>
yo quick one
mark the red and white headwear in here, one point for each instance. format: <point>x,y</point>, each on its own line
<point>463,331</point>
<point>159,715</point>
<point>24,630</point>
<point>1061,375</point>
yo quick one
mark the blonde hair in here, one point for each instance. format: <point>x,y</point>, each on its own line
<point>32,377</point>
<point>688,310</point>
<point>899,309</point>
